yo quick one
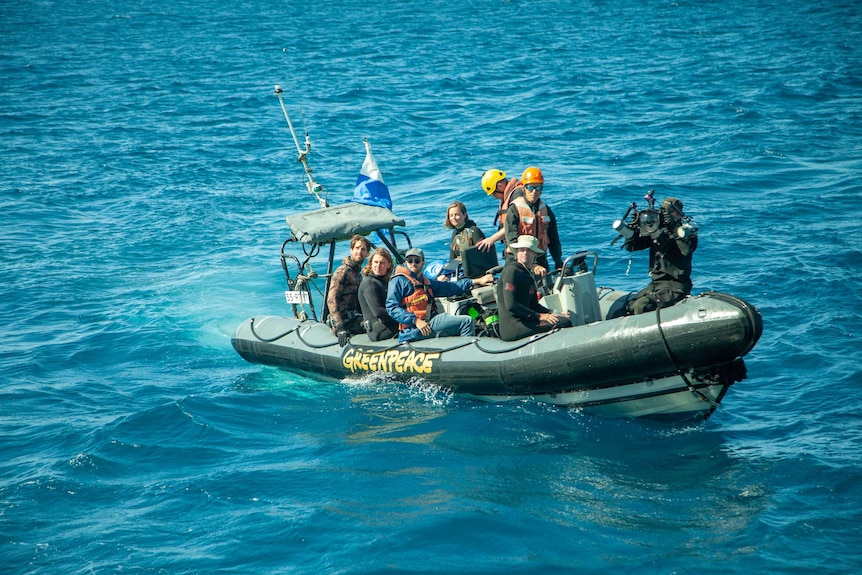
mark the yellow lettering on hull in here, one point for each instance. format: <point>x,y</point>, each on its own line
<point>393,361</point>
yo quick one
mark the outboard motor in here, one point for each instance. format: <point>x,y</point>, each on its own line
<point>575,290</point>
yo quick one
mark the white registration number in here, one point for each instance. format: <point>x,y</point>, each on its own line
<point>296,297</point>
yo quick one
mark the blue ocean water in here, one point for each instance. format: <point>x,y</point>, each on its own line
<point>147,169</point>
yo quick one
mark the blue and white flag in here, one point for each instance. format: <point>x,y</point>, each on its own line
<point>370,189</point>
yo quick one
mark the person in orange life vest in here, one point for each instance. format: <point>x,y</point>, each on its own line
<point>518,306</point>
<point>410,301</point>
<point>465,232</point>
<point>342,299</point>
<point>495,183</point>
<point>528,215</point>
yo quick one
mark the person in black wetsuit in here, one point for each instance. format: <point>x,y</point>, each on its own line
<point>671,239</point>
<point>372,296</point>
<point>518,306</point>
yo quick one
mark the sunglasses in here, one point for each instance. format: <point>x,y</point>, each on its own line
<point>413,260</point>
<point>534,187</point>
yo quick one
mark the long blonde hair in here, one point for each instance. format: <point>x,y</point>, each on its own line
<point>384,253</point>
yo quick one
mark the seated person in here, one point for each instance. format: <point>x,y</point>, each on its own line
<point>518,305</point>
<point>342,299</point>
<point>410,301</point>
<point>372,296</point>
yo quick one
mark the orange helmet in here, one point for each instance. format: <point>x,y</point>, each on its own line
<point>532,175</point>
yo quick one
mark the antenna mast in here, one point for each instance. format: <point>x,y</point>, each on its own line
<point>312,186</point>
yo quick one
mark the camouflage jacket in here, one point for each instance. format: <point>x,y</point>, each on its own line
<point>342,300</point>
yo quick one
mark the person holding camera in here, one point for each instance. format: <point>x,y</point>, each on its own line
<point>671,238</point>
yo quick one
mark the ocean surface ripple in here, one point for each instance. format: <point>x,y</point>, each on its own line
<point>147,173</point>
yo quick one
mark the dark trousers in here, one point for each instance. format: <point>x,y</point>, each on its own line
<point>663,293</point>
<point>378,330</point>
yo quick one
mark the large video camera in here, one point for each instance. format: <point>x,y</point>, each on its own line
<point>652,221</point>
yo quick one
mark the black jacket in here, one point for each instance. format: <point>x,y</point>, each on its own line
<point>669,255</point>
<point>372,300</point>
<point>518,307</point>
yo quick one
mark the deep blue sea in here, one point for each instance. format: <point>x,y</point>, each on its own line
<point>147,170</point>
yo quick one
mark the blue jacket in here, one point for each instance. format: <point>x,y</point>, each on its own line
<point>400,287</point>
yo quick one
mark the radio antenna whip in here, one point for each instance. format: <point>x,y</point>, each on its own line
<point>313,187</point>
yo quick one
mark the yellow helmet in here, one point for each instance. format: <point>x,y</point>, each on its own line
<point>491,178</point>
<point>532,175</point>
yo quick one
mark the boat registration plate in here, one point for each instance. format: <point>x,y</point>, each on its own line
<point>296,297</point>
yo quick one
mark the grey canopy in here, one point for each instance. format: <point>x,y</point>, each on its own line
<point>340,222</point>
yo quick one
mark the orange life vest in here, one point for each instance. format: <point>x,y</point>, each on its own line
<point>513,185</point>
<point>533,223</point>
<point>420,300</point>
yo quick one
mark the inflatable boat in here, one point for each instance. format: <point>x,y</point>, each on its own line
<point>676,362</point>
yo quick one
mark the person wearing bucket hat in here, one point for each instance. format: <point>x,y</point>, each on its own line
<point>529,215</point>
<point>518,306</point>
<point>410,301</point>
<point>505,189</point>
<point>671,247</point>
